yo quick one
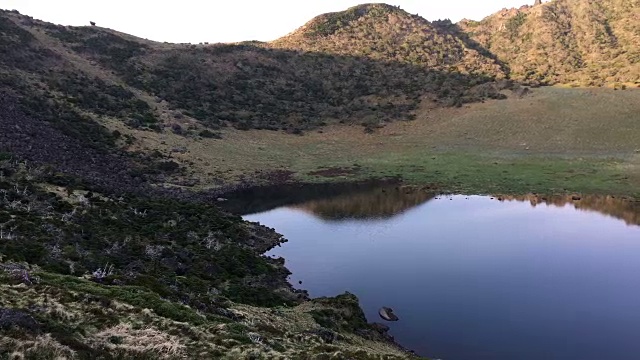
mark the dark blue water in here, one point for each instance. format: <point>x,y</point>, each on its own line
<point>476,278</point>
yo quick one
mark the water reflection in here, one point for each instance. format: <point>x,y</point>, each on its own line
<point>258,199</point>
<point>380,202</point>
<point>472,277</point>
<point>619,208</point>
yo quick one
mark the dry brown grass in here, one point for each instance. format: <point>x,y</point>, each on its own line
<point>141,341</point>
<point>597,122</point>
<point>42,347</point>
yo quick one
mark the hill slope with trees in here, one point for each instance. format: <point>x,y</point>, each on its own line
<point>247,85</point>
<point>581,42</point>
<point>387,33</point>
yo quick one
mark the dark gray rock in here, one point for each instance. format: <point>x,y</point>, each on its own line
<point>10,318</point>
<point>387,314</point>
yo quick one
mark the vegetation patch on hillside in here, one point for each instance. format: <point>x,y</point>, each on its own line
<point>47,315</point>
<point>328,24</point>
<point>583,43</point>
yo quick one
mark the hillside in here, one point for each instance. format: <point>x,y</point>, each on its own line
<point>248,85</point>
<point>387,33</point>
<point>580,42</point>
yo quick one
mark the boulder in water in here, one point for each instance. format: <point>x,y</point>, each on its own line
<point>387,314</point>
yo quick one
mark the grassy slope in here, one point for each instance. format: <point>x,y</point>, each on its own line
<point>555,140</point>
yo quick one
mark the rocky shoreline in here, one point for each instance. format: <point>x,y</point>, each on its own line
<point>266,239</point>
<point>346,303</point>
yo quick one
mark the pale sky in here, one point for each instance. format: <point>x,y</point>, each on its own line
<point>197,21</point>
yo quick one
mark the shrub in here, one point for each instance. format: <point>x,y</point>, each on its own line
<point>209,134</point>
<point>168,166</point>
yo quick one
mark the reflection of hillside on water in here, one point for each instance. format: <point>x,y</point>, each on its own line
<point>619,208</point>
<point>379,203</point>
<point>386,202</point>
<point>379,200</point>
